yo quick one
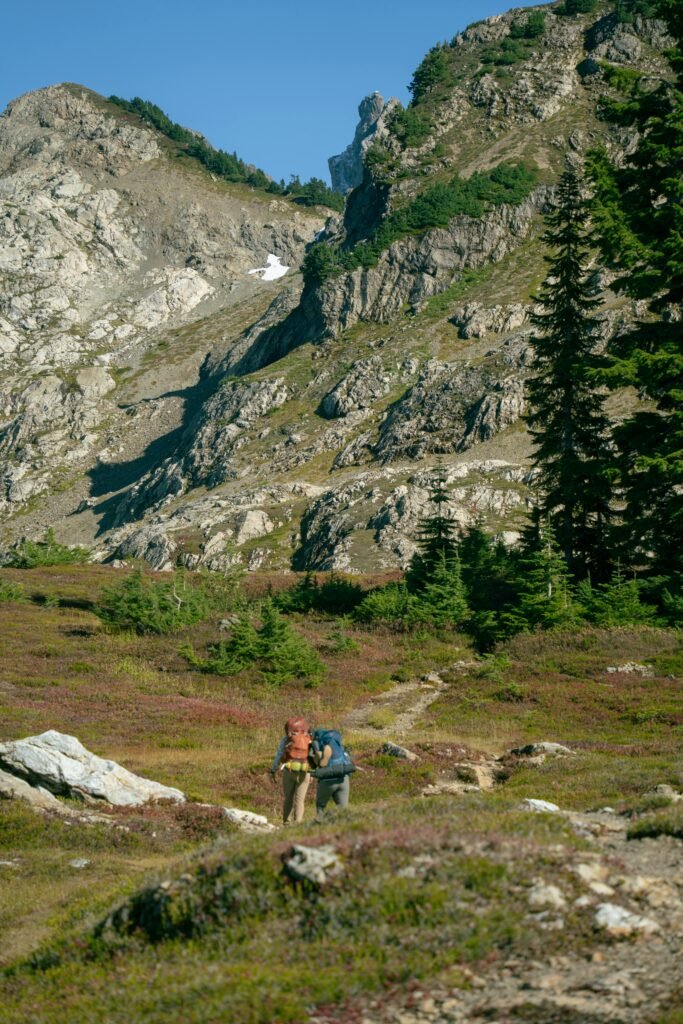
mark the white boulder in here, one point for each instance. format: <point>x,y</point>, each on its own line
<point>247,820</point>
<point>620,923</point>
<point>63,765</point>
<point>532,804</point>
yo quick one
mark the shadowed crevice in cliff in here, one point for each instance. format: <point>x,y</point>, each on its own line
<point>114,481</point>
<point>261,347</point>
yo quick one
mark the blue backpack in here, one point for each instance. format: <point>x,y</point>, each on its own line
<point>340,764</point>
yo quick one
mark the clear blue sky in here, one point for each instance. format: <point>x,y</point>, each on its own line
<point>278,82</point>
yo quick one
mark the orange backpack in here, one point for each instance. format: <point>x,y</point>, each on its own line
<point>298,732</point>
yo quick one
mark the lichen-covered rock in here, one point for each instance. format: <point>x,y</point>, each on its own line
<point>396,750</point>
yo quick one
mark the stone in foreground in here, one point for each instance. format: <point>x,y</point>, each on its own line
<point>315,864</point>
<point>247,820</point>
<point>62,765</point>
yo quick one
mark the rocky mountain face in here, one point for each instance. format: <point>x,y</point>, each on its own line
<point>346,169</point>
<point>107,243</point>
<point>161,402</point>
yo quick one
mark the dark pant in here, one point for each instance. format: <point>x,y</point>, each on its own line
<point>331,789</point>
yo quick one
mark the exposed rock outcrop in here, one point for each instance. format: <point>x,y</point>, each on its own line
<point>105,242</point>
<point>346,170</point>
<point>360,388</point>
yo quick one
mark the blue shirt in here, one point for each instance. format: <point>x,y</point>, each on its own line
<point>278,757</point>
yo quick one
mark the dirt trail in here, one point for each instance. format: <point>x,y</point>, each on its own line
<point>617,982</point>
<point>406,702</point>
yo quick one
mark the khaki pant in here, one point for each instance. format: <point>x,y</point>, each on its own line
<point>294,786</point>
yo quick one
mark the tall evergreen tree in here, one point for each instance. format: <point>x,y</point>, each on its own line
<point>639,217</point>
<point>436,536</point>
<point>566,415</point>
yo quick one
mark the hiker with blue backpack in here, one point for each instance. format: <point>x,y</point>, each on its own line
<point>334,767</point>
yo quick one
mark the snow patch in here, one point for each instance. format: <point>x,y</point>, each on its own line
<point>273,269</point>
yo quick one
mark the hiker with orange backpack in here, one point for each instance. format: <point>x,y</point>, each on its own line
<point>291,761</point>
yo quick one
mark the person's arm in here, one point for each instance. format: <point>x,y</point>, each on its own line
<point>327,754</point>
<point>278,757</point>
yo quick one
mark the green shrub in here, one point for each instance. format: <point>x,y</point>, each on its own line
<point>32,554</point>
<point>628,9</point>
<point>391,606</point>
<point>617,603</point>
<point>11,592</point>
<point>283,653</point>
<point>532,28</point>
<point>570,7</point>
<point>410,126</point>
<point>334,596</point>
<point>668,822</point>
<point>340,642</point>
<point>434,70</point>
<point>278,651</point>
<point>222,589</point>
<point>441,600</point>
<point>143,605</point>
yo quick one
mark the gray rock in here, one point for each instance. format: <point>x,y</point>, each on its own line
<point>151,543</point>
<point>247,820</point>
<point>63,765</point>
<point>316,864</point>
<point>620,923</point>
<point>544,747</point>
<point>632,667</point>
<point>544,806</point>
<point>394,750</point>
<point>663,789</point>
<point>480,774</point>
<point>251,524</point>
<point>346,170</point>
<point>360,388</point>
<point>14,788</point>
<point>542,894</point>
<point>475,321</point>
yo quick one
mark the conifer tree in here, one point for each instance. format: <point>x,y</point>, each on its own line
<point>544,595</point>
<point>566,415</point>
<point>639,216</point>
<point>435,536</point>
<point>442,599</point>
<point>615,603</point>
